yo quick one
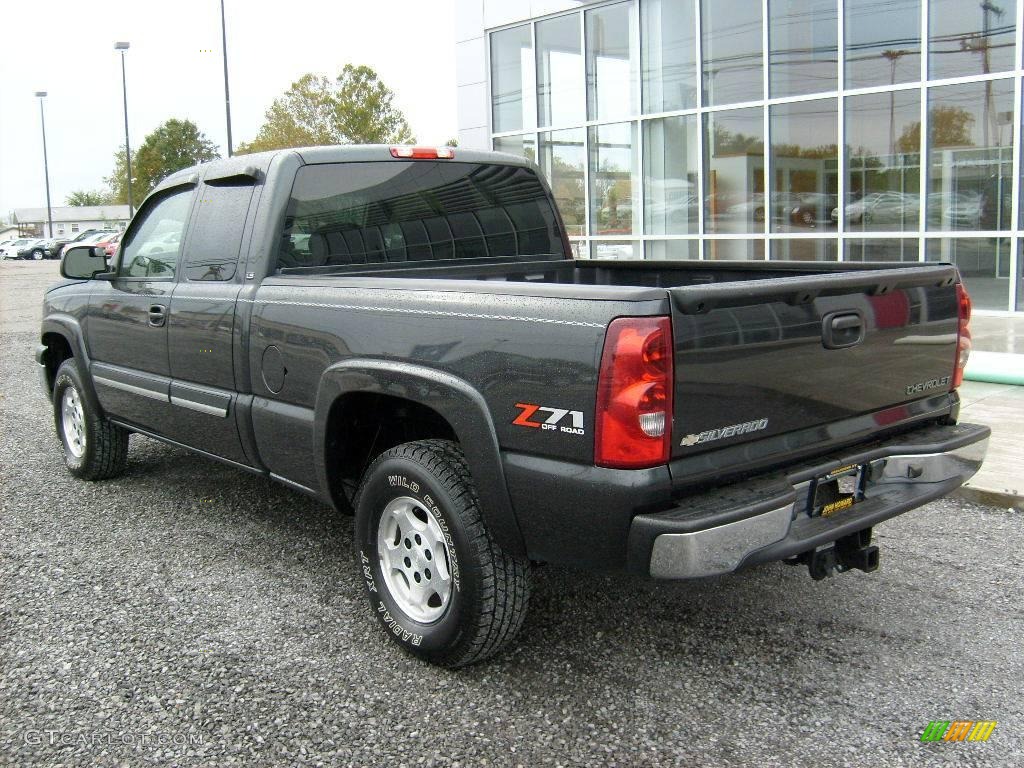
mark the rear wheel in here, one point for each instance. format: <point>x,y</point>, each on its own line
<point>94,449</point>
<point>437,582</point>
<point>37,255</point>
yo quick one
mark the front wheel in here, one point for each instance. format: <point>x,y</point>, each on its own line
<point>94,449</point>
<point>437,582</point>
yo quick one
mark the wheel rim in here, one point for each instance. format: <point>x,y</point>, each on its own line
<point>37,255</point>
<point>73,422</point>
<point>414,559</point>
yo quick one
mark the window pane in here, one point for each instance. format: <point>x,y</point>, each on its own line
<point>512,79</point>
<point>669,51</point>
<point>521,146</point>
<point>672,194</point>
<point>970,38</point>
<point>882,250</point>
<point>734,171</point>
<point>560,96</point>
<point>718,250</point>
<point>216,236</point>
<point>610,63</point>
<point>622,249</point>
<point>883,134</point>
<point>661,250</point>
<point>883,42</point>
<point>731,41</point>
<point>803,165</point>
<point>1020,276</point>
<point>970,156</point>
<point>151,250</point>
<point>984,264</point>
<point>805,250</point>
<point>804,51</point>
<point>613,170</point>
<point>561,160</point>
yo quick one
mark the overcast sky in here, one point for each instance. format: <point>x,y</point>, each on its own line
<point>66,47</point>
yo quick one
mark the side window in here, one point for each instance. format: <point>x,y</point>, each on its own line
<point>151,250</point>
<point>216,238</point>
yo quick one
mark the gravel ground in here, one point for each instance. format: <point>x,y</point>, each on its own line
<point>189,614</point>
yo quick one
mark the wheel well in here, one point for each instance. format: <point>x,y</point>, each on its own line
<point>57,351</point>
<point>362,425</point>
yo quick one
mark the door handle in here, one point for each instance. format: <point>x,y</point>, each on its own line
<point>157,315</point>
<point>842,329</point>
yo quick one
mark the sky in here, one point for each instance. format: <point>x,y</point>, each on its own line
<point>175,69</point>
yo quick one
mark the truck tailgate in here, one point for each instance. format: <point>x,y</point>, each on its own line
<point>764,357</point>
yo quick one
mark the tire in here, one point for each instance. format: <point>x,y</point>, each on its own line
<point>94,449</point>
<point>433,516</point>
<point>37,255</point>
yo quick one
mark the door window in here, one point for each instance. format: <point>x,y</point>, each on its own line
<point>151,249</point>
<point>216,236</point>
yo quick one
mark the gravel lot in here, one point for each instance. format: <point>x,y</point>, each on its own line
<point>190,614</point>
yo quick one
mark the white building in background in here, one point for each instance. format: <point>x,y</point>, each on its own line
<point>752,129</point>
<point>69,220</point>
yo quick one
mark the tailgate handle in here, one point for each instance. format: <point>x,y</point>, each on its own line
<point>842,329</point>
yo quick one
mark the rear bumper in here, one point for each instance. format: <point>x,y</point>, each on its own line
<point>767,518</point>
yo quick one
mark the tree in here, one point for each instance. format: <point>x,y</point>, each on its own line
<point>356,108</point>
<point>81,197</point>
<point>174,145</point>
<point>950,127</point>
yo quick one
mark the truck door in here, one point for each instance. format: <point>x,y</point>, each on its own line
<point>126,325</point>
<point>201,325</point>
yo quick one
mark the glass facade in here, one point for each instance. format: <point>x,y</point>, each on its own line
<point>810,130</point>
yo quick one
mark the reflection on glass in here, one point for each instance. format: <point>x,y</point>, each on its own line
<point>521,146</point>
<point>671,250</point>
<point>613,170</point>
<point>719,250</point>
<point>560,97</point>
<point>611,66</point>
<point>1020,275</point>
<point>669,55</point>
<point>561,161</point>
<point>883,137</point>
<point>984,264</point>
<point>970,156</point>
<point>671,186</point>
<point>803,55</point>
<point>804,165</point>
<point>734,171</point>
<point>970,37</point>
<point>616,249</point>
<point>883,42</point>
<point>731,42</point>
<point>512,78</point>
<point>906,249</point>
<point>805,249</point>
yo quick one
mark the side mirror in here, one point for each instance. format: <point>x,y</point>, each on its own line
<point>83,262</point>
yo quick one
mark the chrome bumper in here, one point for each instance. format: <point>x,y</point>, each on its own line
<point>779,524</point>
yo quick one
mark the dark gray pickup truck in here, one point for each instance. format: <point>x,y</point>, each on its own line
<point>402,333</point>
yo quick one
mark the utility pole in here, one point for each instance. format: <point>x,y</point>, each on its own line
<point>227,93</point>
<point>46,165</point>
<point>122,47</point>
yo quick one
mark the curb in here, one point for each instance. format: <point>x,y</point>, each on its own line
<point>1004,499</point>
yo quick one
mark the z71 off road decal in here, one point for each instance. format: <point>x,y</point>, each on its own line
<point>545,417</point>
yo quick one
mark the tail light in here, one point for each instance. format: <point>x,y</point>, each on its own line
<point>963,335</point>
<point>634,394</point>
<point>423,153</point>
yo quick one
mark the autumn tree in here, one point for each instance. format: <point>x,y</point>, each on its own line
<point>174,145</point>
<point>355,108</point>
<point>950,127</point>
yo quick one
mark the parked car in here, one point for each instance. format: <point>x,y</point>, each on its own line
<point>483,404</point>
<point>86,237</point>
<point>811,209</point>
<point>23,248</point>
<point>109,243</point>
<point>35,250</point>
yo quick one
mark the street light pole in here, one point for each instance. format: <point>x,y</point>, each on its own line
<point>122,47</point>
<point>46,164</point>
<point>227,93</point>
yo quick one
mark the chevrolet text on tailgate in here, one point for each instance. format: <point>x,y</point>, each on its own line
<point>402,333</point>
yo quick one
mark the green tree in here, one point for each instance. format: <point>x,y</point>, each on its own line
<point>88,197</point>
<point>949,127</point>
<point>174,145</point>
<point>356,108</point>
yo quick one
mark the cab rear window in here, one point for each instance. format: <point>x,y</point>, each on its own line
<point>384,212</point>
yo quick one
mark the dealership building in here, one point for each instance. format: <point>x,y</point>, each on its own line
<point>712,129</point>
